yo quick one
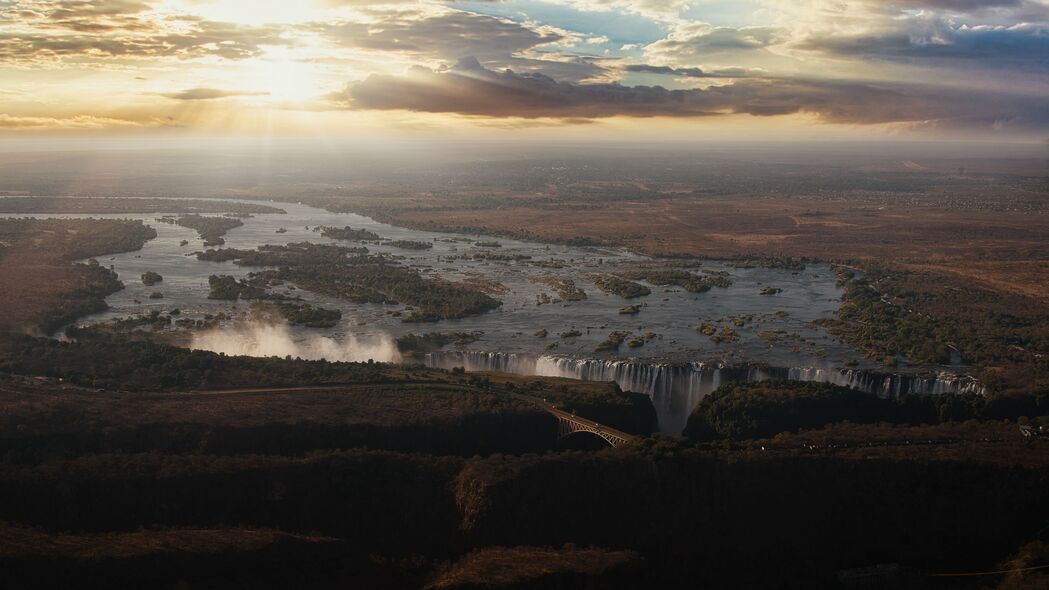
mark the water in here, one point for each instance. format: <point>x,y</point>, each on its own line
<point>677,367</point>
<point>676,389</point>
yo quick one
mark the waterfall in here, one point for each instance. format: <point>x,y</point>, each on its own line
<point>676,388</point>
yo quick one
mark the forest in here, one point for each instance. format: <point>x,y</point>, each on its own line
<point>887,312</point>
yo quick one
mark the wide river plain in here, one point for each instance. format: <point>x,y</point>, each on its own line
<point>677,364</point>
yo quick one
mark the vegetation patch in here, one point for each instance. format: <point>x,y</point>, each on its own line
<point>566,289</point>
<point>693,283</point>
<point>723,336</point>
<point>410,244</point>
<point>639,341</point>
<point>210,229</point>
<point>304,314</point>
<point>150,278</point>
<point>614,285</point>
<point>434,341</point>
<point>777,262</point>
<point>348,233</point>
<point>613,342</point>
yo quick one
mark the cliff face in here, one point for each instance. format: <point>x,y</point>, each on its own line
<point>752,521</point>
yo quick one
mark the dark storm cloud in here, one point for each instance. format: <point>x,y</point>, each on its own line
<point>470,89</point>
<point>1024,46</point>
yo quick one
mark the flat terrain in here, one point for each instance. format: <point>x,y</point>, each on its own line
<point>1000,249</point>
<point>39,284</point>
<point>105,205</point>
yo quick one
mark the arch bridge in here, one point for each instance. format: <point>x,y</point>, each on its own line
<point>569,424</point>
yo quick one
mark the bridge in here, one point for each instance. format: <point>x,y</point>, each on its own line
<point>569,424</point>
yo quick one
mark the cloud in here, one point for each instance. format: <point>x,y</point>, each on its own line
<point>692,44</point>
<point>38,32</point>
<point>75,122</point>
<point>941,43</point>
<point>665,10</point>
<point>209,94</point>
<point>686,72</point>
<point>954,6</point>
<point>470,89</point>
<point>446,36</point>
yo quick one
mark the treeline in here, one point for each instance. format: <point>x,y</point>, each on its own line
<point>924,317</point>
<point>765,409</point>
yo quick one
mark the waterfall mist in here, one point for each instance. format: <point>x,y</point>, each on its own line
<point>255,338</point>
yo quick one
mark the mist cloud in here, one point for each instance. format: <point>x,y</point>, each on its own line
<point>266,340</point>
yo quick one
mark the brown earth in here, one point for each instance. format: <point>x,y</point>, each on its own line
<point>1003,250</point>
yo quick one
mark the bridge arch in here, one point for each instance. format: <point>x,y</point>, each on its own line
<point>568,425</point>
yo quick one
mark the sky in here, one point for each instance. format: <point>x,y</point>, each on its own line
<point>567,69</point>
